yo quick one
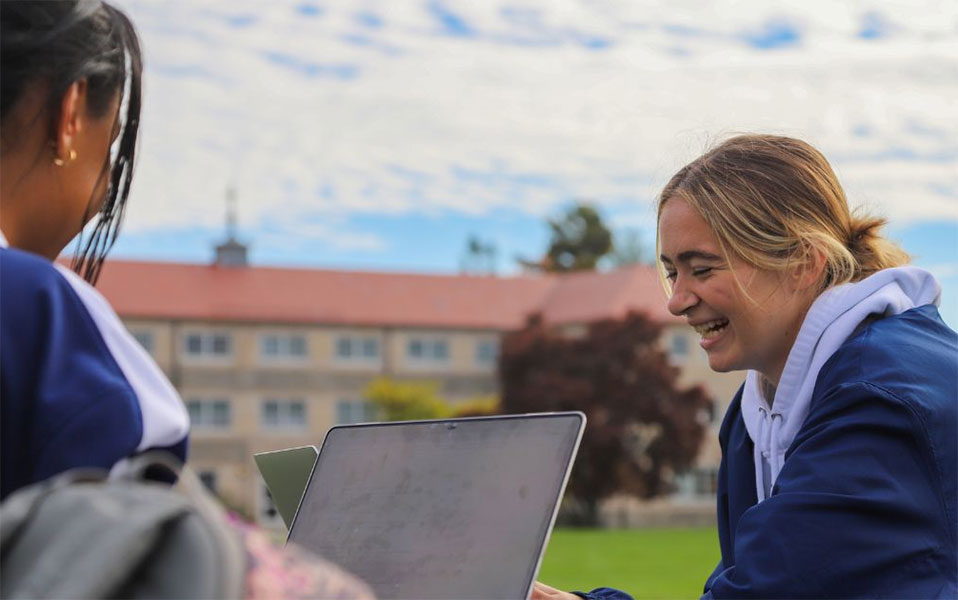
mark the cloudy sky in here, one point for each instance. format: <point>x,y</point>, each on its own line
<point>380,135</point>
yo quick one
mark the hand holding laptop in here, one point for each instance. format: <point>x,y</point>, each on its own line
<point>542,591</point>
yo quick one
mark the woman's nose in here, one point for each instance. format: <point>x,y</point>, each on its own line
<point>681,301</point>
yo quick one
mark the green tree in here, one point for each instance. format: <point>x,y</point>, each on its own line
<point>478,258</point>
<point>405,400</point>
<point>480,406</point>
<point>578,240</point>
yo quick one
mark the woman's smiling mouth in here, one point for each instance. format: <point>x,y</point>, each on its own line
<point>711,329</point>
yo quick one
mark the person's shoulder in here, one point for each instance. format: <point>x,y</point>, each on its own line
<point>34,289</point>
<point>911,357</point>
<point>25,271</point>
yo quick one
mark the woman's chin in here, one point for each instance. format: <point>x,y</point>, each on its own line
<point>721,363</point>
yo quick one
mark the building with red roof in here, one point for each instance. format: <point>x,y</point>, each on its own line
<point>269,357</point>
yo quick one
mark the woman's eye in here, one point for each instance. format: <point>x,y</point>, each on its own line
<point>700,271</point>
<point>670,275</point>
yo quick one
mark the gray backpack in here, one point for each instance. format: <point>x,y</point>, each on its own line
<point>80,535</point>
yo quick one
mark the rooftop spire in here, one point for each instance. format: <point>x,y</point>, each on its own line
<point>231,253</point>
<point>231,212</point>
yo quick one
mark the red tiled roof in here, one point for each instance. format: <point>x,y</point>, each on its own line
<point>284,295</point>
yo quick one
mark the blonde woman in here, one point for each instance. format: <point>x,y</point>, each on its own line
<point>838,474</point>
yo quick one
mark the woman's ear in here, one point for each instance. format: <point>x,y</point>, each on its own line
<point>70,121</point>
<point>809,271</point>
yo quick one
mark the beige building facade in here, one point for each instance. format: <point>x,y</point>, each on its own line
<point>258,387</point>
<point>270,358</point>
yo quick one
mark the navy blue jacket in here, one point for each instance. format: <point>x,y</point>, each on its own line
<point>865,505</point>
<point>75,388</point>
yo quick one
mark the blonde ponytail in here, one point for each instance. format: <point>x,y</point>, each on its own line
<point>771,200</point>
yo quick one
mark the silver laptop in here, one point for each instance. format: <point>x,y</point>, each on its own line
<point>458,508</point>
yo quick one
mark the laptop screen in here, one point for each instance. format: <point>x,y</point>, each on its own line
<point>439,509</point>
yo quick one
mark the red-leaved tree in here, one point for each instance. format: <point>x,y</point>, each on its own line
<point>641,426</point>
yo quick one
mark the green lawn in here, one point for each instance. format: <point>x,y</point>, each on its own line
<point>647,563</point>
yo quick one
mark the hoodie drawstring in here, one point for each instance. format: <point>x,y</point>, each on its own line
<point>776,458</point>
<point>769,426</point>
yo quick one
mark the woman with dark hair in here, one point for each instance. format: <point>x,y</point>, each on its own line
<point>77,390</point>
<point>839,473</point>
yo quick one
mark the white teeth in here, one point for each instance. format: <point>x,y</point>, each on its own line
<point>711,328</point>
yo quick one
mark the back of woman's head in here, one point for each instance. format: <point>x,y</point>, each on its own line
<point>55,43</point>
<point>773,200</point>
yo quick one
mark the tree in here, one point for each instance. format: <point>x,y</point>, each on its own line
<point>417,400</point>
<point>577,241</point>
<point>479,406</point>
<point>478,257</point>
<point>640,428</point>
<point>406,401</point>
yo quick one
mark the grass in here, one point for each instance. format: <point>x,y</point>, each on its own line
<point>646,563</point>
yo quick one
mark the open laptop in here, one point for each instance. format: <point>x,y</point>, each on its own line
<point>457,508</point>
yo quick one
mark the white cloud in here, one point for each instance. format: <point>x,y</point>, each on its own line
<point>525,104</point>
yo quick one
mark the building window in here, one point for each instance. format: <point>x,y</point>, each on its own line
<point>706,481</point>
<point>696,483</point>
<point>357,348</point>
<point>144,339</point>
<point>707,415</point>
<point>208,478</point>
<point>428,350</point>
<point>283,347</point>
<point>487,352</point>
<point>678,347</point>
<point>208,344</point>
<point>210,413</point>
<point>283,414</point>
<point>355,411</point>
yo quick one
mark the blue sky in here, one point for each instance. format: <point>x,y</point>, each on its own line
<point>381,135</point>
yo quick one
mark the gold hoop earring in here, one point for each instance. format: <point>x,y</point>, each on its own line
<point>60,162</point>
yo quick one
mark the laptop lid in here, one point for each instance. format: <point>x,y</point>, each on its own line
<point>458,508</point>
<point>286,473</point>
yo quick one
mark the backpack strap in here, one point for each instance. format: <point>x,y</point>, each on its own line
<point>230,556</point>
<point>233,554</point>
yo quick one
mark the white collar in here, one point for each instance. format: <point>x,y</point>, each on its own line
<point>3,240</point>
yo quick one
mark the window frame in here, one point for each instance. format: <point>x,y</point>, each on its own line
<point>366,411</point>
<point>207,405</point>
<point>491,361</point>
<point>141,335</point>
<point>357,344</point>
<point>284,347</point>
<point>207,340</point>
<point>428,353</point>
<point>283,421</point>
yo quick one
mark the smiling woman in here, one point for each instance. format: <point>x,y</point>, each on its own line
<point>838,474</point>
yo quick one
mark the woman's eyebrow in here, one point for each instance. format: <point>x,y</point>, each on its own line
<point>688,255</point>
